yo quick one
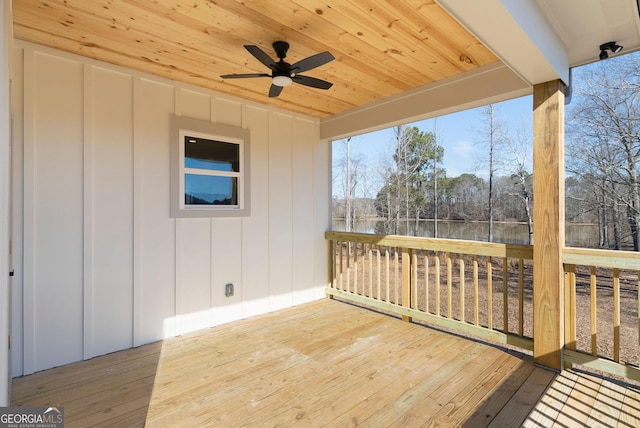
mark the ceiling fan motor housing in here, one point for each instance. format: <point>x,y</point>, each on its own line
<point>281,48</point>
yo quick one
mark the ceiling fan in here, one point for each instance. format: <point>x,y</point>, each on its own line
<point>283,73</point>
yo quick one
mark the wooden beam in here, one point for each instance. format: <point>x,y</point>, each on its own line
<point>488,84</point>
<point>548,218</point>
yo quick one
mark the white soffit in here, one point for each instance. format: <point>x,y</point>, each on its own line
<point>584,25</point>
<point>518,32</point>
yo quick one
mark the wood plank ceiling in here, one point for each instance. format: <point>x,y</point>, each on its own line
<point>382,48</point>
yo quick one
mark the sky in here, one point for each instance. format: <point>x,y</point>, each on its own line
<point>458,133</point>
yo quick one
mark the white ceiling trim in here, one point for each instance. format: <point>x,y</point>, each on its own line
<point>518,32</point>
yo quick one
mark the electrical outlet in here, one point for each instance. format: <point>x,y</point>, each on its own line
<point>228,290</point>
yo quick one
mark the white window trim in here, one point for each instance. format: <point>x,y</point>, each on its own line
<point>182,126</point>
<point>197,171</point>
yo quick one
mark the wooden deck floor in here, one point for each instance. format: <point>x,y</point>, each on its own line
<point>324,364</point>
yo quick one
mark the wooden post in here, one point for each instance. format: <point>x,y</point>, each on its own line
<point>548,220</point>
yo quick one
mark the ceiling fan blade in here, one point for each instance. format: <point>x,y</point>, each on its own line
<point>260,55</point>
<point>312,82</point>
<point>312,62</point>
<point>244,76</point>
<point>274,90</point>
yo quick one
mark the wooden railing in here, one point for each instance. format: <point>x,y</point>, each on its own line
<point>486,290</point>
<point>474,288</point>
<point>601,310</point>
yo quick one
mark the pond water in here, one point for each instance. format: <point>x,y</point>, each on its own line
<point>577,235</point>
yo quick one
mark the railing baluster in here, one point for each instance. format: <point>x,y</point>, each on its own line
<point>332,256</point>
<point>370,253</point>
<point>363,264</point>
<point>348,272</point>
<point>406,281</point>
<point>449,286</point>
<point>594,315</point>
<point>397,277</point>
<point>363,268</point>
<point>414,279</point>
<point>388,276</point>
<point>437,267</point>
<point>356,283</point>
<point>489,294</point>
<point>521,297</point>
<point>378,271</point>
<point>569,313</point>
<point>461,287</point>
<point>505,294</point>
<point>341,284</point>
<point>616,315</point>
<point>426,281</point>
<point>475,291</point>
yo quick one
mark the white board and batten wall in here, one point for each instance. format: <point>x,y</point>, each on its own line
<point>5,200</point>
<point>102,265</point>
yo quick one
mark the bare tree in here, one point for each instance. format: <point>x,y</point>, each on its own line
<point>347,174</point>
<point>492,138</point>
<point>518,163</point>
<point>605,136</point>
<point>593,160</point>
<point>465,197</point>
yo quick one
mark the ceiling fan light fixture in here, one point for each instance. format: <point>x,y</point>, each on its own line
<point>281,81</point>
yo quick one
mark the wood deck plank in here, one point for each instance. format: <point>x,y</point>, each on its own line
<point>415,368</point>
<point>357,376</point>
<point>549,406</point>
<point>326,363</point>
<point>630,410</point>
<point>445,406</point>
<point>300,396</point>
<point>577,408</point>
<point>393,404</point>
<point>606,410</point>
<point>493,403</point>
<point>283,354</point>
<point>519,406</point>
<point>289,353</point>
<point>128,406</point>
<point>81,386</point>
<point>72,375</point>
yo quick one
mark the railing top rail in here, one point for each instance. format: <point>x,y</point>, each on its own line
<point>570,255</point>
<point>601,258</point>
<point>458,246</point>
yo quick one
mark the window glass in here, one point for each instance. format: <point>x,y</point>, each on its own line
<point>211,171</point>
<point>210,190</point>
<point>211,155</point>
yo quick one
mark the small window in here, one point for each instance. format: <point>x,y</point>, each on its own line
<point>209,169</point>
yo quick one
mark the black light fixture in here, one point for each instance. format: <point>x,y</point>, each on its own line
<point>609,46</point>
